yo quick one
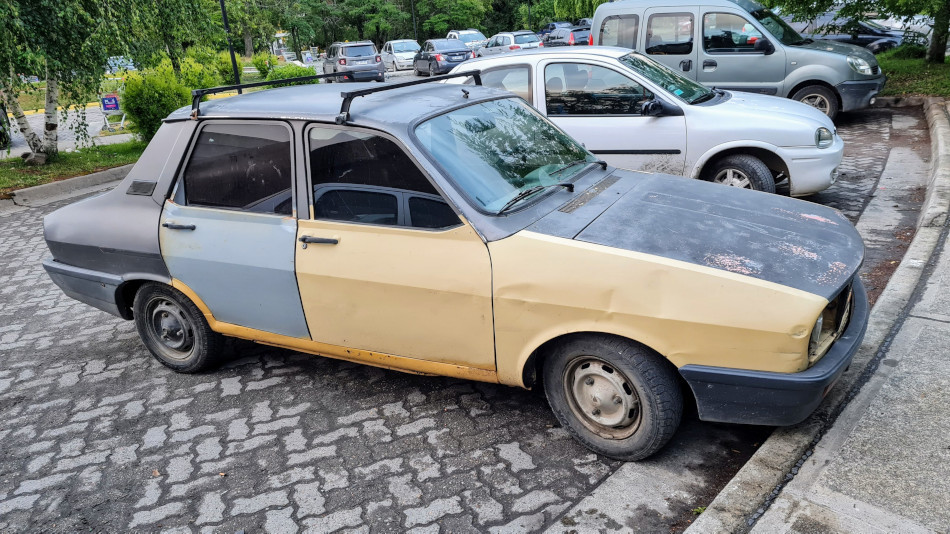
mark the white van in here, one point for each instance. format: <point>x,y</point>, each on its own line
<point>742,46</point>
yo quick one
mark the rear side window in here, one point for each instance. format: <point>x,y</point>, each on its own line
<point>670,34</point>
<point>620,30</point>
<point>241,166</point>
<point>516,79</point>
<point>359,50</point>
<point>526,38</point>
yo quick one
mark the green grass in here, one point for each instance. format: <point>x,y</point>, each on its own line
<point>15,175</point>
<point>914,77</point>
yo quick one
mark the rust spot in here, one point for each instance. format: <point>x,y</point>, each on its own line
<point>818,218</point>
<point>798,251</point>
<point>833,274</point>
<point>733,263</point>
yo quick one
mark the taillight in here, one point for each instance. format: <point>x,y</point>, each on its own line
<point>473,54</point>
<point>378,59</point>
<point>514,47</point>
<point>540,44</point>
<point>342,61</point>
<point>438,57</point>
<point>590,39</point>
<point>570,40</point>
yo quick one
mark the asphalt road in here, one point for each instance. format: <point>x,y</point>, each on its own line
<point>95,435</point>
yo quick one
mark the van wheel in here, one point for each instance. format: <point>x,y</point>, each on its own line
<point>615,397</point>
<point>174,330</point>
<point>820,98</point>
<point>741,170</point>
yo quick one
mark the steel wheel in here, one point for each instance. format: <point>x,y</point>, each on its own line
<point>174,330</point>
<point>431,69</point>
<point>602,398</point>
<point>170,327</point>
<point>733,177</point>
<point>819,97</point>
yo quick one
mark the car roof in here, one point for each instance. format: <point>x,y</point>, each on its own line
<point>402,41</point>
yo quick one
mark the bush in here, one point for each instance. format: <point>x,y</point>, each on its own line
<point>150,95</point>
<point>204,55</point>
<point>907,51</point>
<point>291,71</point>
<point>264,62</point>
<point>194,75</point>
<point>225,69</point>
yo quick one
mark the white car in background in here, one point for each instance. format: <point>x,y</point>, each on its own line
<point>638,114</point>
<point>398,55</point>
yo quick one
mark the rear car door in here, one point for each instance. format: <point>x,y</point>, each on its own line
<point>670,38</point>
<point>228,232</point>
<point>729,59</point>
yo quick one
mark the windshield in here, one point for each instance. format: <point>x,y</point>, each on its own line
<point>777,27</point>
<point>469,37</point>
<point>495,150</point>
<point>526,38</point>
<point>405,47</point>
<point>358,50</point>
<point>683,88</point>
<point>448,44</point>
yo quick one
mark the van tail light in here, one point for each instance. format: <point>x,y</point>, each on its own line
<point>473,54</point>
<point>514,47</point>
<point>378,59</point>
<point>570,40</point>
<point>342,62</point>
<point>438,57</point>
<point>590,39</point>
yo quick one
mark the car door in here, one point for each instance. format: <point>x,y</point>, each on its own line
<point>422,60</point>
<point>228,232</point>
<point>729,59</point>
<point>670,38</point>
<point>601,107</point>
<point>388,57</point>
<point>391,269</point>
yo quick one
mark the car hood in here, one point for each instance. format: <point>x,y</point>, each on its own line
<point>405,55</point>
<point>781,112</point>
<point>790,242</point>
<point>844,49</point>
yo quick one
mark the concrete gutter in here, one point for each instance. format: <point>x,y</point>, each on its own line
<point>746,497</point>
<point>42,195</point>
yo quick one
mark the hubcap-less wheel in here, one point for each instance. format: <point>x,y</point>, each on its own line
<point>602,398</point>
<point>431,69</point>
<point>733,177</point>
<point>817,101</point>
<point>170,326</point>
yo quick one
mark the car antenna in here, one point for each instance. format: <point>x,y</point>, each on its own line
<point>464,93</point>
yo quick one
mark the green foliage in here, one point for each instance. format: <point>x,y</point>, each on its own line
<point>264,62</point>
<point>445,15</point>
<point>907,77</point>
<point>908,51</point>
<point>290,71</point>
<point>152,94</point>
<point>14,174</point>
<point>195,75</point>
<point>222,63</point>
<point>202,54</point>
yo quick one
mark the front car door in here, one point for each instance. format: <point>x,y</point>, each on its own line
<point>390,267</point>
<point>228,232</point>
<point>670,38</point>
<point>729,59</point>
<point>600,107</point>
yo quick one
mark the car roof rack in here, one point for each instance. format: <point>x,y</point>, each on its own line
<point>196,94</point>
<point>348,96</point>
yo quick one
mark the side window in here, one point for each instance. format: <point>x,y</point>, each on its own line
<point>362,177</point>
<point>430,213</point>
<point>515,79</point>
<point>670,33</point>
<point>580,89</point>
<point>241,166</point>
<point>505,41</point>
<point>620,30</point>
<point>725,33</point>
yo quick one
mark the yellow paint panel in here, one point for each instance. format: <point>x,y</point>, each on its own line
<point>420,294</point>
<point>548,286</point>
<point>375,359</point>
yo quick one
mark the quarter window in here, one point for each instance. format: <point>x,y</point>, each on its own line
<point>581,89</point>
<point>620,30</point>
<point>670,34</point>
<point>725,33</point>
<point>241,166</point>
<point>515,79</point>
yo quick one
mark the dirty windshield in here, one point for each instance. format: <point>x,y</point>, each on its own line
<point>494,151</point>
<point>683,88</point>
<point>406,47</point>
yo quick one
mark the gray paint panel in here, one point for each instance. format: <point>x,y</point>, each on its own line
<point>240,264</point>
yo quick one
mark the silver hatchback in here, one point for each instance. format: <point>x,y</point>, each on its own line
<point>503,43</point>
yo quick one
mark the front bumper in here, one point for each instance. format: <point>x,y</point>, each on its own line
<point>763,398</point>
<point>858,94</point>
<point>95,288</point>
<point>812,169</point>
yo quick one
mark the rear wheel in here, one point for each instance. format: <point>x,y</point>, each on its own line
<point>614,396</point>
<point>741,170</point>
<point>174,330</point>
<point>819,97</point>
<point>432,71</point>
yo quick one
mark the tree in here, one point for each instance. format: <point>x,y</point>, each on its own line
<point>441,16</point>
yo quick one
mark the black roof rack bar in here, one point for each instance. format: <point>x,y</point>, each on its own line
<point>348,96</point>
<point>196,94</point>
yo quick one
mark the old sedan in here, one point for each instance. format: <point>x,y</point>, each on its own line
<point>460,233</point>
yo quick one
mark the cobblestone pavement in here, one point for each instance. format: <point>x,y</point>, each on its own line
<point>95,435</point>
<point>68,129</point>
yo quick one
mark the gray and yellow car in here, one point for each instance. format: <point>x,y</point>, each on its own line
<point>453,230</point>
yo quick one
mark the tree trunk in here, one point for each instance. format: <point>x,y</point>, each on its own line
<point>938,38</point>
<point>248,42</point>
<point>9,96</point>
<point>51,120</point>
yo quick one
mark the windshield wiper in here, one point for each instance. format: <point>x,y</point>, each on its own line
<point>600,162</point>
<point>704,97</point>
<point>803,41</point>
<point>532,190</point>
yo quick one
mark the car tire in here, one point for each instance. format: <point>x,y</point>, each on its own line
<point>641,396</point>
<point>174,330</point>
<point>819,97</point>
<point>741,170</point>
<point>415,70</point>
<point>431,70</point>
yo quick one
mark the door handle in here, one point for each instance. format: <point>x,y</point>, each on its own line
<point>710,64</point>
<point>686,65</point>
<point>173,226</point>
<point>318,240</point>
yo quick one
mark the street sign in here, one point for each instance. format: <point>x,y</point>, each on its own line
<point>110,102</point>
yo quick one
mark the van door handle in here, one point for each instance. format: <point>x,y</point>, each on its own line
<point>709,64</point>
<point>173,226</point>
<point>686,64</point>
<point>318,240</point>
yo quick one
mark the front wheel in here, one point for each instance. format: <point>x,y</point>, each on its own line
<point>614,396</point>
<point>432,71</point>
<point>174,330</point>
<point>741,170</point>
<point>819,97</point>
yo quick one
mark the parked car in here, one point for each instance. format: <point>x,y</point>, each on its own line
<point>439,231</point>
<point>584,22</point>
<point>503,43</point>
<point>354,62</point>
<point>438,56</point>
<point>638,114</point>
<point>863,33</point>
<point>551,26</point>
<point>398,55</point>
<point>709,42</point>
<point>574,36</point>
<point>115,64</point>
<point>472,38</point>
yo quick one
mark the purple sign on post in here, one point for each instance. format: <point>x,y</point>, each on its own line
<point>110,102</point>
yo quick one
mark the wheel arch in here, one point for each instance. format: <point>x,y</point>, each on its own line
<point>125,292</point>
<point>762,151</point>
<point>806,83</point>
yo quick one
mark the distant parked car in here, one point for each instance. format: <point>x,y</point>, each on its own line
<point>584,22</point>
<point>551,26</point>
<point>472,38</point>
<point>503,43</point>
<point>398,54</point>
<point>354,62</point>
<point>119,63</point>
<point>438,56</point>
<point>863,33</point>
<point>568,37</point>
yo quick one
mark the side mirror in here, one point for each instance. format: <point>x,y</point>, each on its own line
<point>765,46</point>
<point>651,108</point>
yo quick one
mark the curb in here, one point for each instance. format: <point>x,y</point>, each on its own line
<point>42,195</point>
<point>744,499</point>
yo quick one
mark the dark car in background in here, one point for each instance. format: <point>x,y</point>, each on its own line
<point>863,33</point>
<point>568,37</point>
<point>551,26</point>
<point>354,62</point>
<point>438,56</point>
